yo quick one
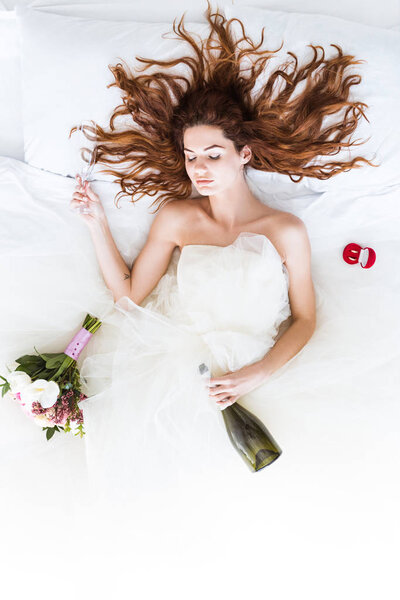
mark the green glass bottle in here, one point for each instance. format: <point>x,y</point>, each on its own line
<point>248,434</point>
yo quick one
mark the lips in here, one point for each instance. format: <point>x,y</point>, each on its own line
<point>203,181</point>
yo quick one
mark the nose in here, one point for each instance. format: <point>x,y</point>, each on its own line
<point>200,170</point>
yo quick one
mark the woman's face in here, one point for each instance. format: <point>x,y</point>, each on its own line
<point>211,160</point>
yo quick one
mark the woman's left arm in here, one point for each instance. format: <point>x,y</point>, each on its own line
<point>301,298</point>
<point>302,304</point>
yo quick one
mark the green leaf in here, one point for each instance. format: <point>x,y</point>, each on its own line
<point>41,355</point>
<point>34,372</point>
<point>28,359</point>
<point>6,388</point>
<point>80,431</point>
<point>50,432</point>
<point>61,370</point>
<point>55,361</point>
<point>49,355</point>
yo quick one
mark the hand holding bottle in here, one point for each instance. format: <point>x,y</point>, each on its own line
<point>248,435</point>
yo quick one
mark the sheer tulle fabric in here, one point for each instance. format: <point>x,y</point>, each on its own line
<point>150,424</point>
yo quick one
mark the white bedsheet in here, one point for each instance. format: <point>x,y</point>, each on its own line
<point>334,493</point>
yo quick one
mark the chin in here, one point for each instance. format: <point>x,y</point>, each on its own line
<point>195,193</point>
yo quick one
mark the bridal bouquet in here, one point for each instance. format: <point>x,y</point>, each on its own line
<point>48,387</point>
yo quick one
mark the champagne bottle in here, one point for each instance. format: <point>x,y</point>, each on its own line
<point>248,434</point>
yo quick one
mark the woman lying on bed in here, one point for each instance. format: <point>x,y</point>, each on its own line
<point>218,274</point>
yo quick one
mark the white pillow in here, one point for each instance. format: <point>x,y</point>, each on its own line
<point>379,88</point>
<point>385,13</point>
<point>65,76</point>
<point>11,134</point>
<point>156,11</point>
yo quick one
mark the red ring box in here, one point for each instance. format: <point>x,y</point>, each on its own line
<point>354,253</point>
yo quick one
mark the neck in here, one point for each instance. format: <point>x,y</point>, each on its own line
<point>234,206</point>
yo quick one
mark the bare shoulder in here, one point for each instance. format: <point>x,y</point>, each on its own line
<point>170,220</point>
<point>175,209</point>
<point>289,225</point>
<point>287,219</point>
<point>287,231</point>
<point>293,234</point>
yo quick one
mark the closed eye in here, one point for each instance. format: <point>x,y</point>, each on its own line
<point>212,158</point>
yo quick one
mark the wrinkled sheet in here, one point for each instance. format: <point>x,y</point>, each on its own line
<point>333,495</point>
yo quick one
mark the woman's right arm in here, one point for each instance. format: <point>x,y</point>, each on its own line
<point>152,261</point>
<point>154,258</point>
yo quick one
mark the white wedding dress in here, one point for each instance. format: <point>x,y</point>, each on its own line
<point>151,428</point>
<point>150,424</point>
<point>155,439</point>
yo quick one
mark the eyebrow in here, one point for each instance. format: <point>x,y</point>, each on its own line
<point>208,147</point>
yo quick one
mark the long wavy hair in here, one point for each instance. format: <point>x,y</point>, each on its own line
<point>284,130</point>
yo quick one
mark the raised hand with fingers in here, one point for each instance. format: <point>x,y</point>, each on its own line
<point>87,204</point>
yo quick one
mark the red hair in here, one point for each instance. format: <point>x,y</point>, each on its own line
<point>284,132</point>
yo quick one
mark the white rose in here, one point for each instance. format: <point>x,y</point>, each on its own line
<point>42,391</point>
<point>18,380</point>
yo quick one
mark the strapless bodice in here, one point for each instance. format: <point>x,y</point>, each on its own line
<point>242,287</point>
<point>234,297</point>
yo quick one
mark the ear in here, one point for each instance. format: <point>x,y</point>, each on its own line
<point>246,154</point>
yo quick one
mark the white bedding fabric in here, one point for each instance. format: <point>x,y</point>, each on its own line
<point>369,12</point>
<point>325,521</point>
<point>68,99</point>
<point>331,499</point>
<point>11,132</point>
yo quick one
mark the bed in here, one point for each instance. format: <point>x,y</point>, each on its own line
<point>330,527</point>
